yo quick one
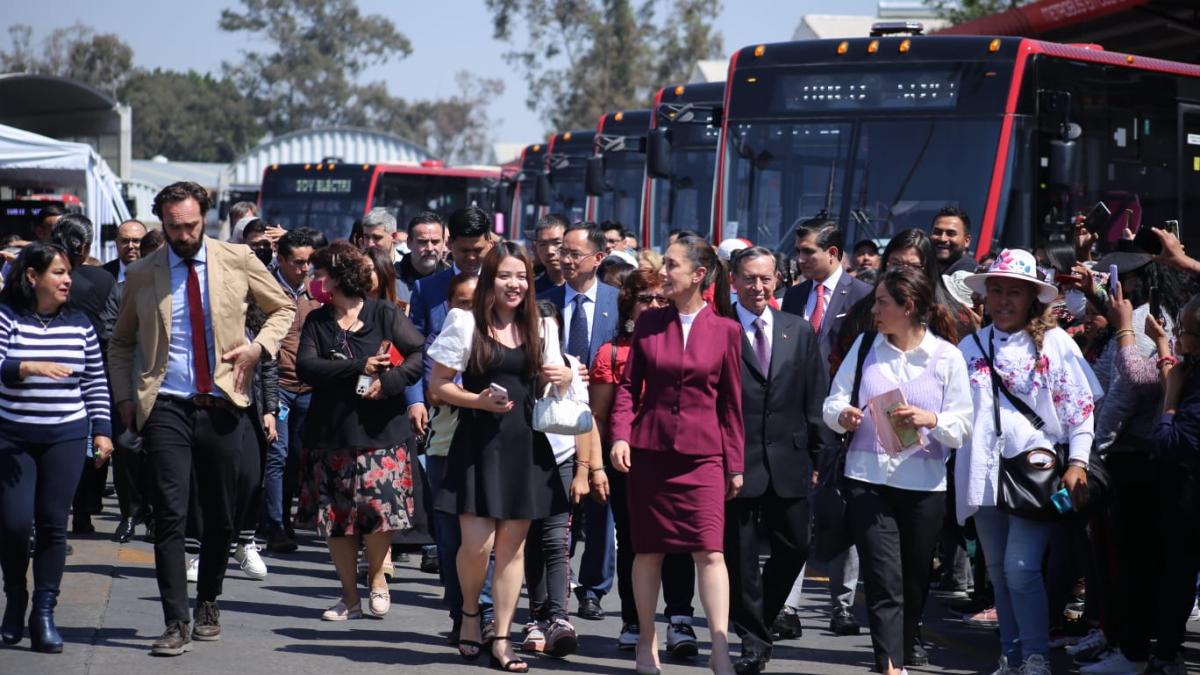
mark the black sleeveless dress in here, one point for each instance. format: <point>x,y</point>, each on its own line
<point>498,466</point>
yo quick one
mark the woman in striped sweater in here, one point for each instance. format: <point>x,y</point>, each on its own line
<point>53,396</point>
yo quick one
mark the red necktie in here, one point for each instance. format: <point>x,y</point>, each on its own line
<point>199,338</point>
<point>819,311</point>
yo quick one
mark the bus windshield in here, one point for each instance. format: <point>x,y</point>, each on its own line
<point>528,216</point>
<point>625,173</point>
<point>874,176</point>
<point>329,201</point>
<point>684,201</point>
<point>569,197</point>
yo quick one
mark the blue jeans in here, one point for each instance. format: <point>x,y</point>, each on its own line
<point>1014,548</point>
<point>448,536</point>
<point>282,457</point>
<point>598,565</point>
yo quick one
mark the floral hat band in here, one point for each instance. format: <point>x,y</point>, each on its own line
<point>1014,263</point>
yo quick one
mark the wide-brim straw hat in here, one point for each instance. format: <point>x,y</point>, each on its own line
<point>1014,263</point>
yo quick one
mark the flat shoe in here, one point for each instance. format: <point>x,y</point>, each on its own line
<point>340,612</point>
<point>379,603</point>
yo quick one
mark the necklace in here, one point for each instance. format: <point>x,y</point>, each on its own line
<point>45,322</point>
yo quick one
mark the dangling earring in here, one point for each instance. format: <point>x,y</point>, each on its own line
<point>629,325</point>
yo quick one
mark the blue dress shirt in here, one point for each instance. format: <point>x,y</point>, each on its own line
<point>181,377</point>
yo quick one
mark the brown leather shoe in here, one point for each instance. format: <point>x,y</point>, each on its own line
<point>176,640</point>
<point>207,625</point>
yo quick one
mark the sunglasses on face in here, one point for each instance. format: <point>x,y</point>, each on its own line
<point>648,299</point>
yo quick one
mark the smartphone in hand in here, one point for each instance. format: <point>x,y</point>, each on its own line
<point>499,392</point>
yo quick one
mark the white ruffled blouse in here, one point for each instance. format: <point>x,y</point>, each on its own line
<point>1057,384</point>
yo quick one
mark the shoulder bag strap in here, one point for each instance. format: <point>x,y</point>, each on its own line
<point>868,341</point>
<point>998,388</point>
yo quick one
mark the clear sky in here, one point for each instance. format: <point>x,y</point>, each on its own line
<point>447,36</point>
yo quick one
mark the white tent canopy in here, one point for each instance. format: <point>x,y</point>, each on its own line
<point>33,160</point>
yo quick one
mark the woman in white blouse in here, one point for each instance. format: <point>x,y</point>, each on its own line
<point>1041,365</point>
<point>913,408</point>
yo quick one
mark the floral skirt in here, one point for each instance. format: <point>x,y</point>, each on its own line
<point>356,491</point>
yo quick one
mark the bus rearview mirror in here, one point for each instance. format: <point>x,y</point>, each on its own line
<point>543,193</point>
<point>658,154</point>
<point>593,177</point>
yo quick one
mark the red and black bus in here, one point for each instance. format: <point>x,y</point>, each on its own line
<point>566,165</point>
<point>526,209</point>
<point>879,133</point>
<point>331,195</point>
<point>681,160</point>
<point>616,175</point>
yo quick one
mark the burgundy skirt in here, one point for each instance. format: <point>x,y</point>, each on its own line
<point>676,502</point>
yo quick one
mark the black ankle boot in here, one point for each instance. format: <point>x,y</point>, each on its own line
<point>42,632</point>
<point>13,628</point>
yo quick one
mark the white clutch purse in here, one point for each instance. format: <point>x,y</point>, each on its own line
<point>555,415</point>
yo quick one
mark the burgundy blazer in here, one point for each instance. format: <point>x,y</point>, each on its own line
<point>686,401</point>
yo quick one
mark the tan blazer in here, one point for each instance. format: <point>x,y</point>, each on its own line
<point>144,320</point>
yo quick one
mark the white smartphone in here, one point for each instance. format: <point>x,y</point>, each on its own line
<point>363,384</point>
<point>499,391</point>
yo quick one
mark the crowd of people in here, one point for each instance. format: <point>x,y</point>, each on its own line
<point>1019,432</point>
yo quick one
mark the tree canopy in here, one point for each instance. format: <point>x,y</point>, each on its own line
<point>583,58</point>
<point>962,11</point>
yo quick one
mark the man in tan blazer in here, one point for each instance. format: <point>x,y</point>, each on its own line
<point>184,307</point>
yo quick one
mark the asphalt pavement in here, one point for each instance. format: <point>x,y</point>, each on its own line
<point>109,613</point>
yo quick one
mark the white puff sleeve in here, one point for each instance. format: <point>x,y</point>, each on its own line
<point>551,349</point>
<point>452,347</point>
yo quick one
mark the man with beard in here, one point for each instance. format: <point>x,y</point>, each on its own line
<point>129,248</point>
<point>426,256</point>
<point>951,235</point>
<point>184,309</point>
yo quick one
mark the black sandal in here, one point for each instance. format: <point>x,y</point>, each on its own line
<point>515,665</point>
<point>470,656</point>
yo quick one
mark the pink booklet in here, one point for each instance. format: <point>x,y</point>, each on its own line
<point>892,438</point>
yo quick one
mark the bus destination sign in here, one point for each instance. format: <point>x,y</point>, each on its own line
<point>323,186</point>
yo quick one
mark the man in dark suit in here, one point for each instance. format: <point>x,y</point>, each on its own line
<point>784,432</point>
<point>824,300</point>
<point>129,248</point>
<point>589,318</point>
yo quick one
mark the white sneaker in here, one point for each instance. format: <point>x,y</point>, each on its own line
<point>1195,615</point>
<point>193,570</point>
<point>681,638</point>
<point>251,562</point>
<point>1094,638</point>
<point>1035,664</point>
<point>1115,664</point>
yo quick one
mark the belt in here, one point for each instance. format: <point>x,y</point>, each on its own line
<point>201,401</point>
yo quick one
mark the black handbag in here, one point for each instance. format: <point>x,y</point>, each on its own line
<point>831,527</point>
<point>1027,481</point>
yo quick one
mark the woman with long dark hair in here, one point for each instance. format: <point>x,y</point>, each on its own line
<point>641,291</point>
<point>682,460</point>
<point>500,472</point>
<point>383,275</point>
<point>912,407</point>
<point>53,396</point>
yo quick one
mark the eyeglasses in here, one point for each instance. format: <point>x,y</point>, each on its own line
<point>573,255</point>
<point>125,241</point>
<point>648,299</point>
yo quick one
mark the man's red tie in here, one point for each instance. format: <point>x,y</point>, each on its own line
<point>199,337</point>
<point>818,314</point>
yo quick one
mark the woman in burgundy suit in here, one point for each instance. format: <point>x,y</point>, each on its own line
<point>677,432</point>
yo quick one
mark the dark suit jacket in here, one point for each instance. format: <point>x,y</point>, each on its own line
<point>848,292</point>
<point>782,411</point>
<point>427,310</point>
<point>113,267</point>
<point>90,287</point>
<point>604,319</point>
<point>689,401</point>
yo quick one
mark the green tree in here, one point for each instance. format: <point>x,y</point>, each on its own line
<point>316,49</point>
<point>962,11</point>
<point>75,52</point>
<point>189,116</point>
<point>582,58</point>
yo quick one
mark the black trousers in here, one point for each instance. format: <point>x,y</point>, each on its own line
<point>755,595</point>
<point>1156,556</point>
<point>131,476</point>
<point>36,489</point>
<point>678,569</point>
<point>210,442</point>
<point>89,494</point>
<point>895,531</point>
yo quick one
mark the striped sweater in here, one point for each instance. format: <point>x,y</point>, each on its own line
<point>40,409</point>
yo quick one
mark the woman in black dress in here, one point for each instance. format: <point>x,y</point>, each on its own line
<point>500,473</point>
